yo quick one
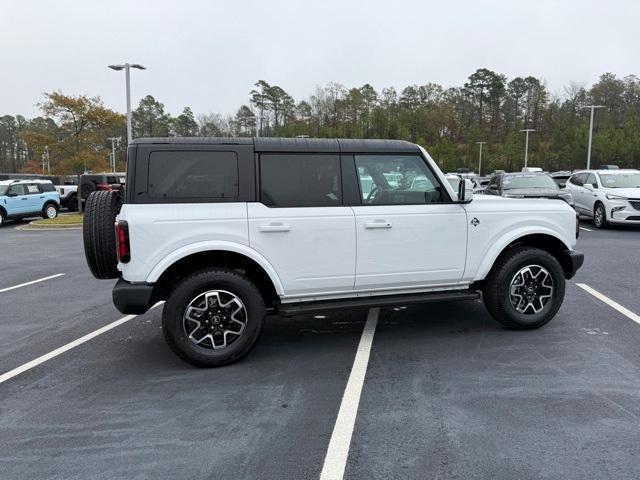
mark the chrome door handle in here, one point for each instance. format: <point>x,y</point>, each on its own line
<point>274,228</point>
<point>378,224</point>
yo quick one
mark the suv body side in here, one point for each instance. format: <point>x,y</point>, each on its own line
<point>25,198</point>
<point>342,248</point>
<point>621,205</point>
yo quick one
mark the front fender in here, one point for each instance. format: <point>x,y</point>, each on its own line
<point>504,240</point>
<point>207,246</point>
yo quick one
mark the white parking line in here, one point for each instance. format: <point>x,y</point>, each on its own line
<point>31,282</point>
<point>615,305</point>
<point>338,451</point>
<point>65,348</point>
<point>586,229</point>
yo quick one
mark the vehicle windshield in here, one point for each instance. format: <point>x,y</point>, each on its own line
<point>511,182</point>
<point>620,180</point>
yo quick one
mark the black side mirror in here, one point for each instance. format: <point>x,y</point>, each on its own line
<point>12,194</point>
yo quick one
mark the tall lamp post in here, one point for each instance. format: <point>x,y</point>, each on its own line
<point>592,108</point>
<point>45,161</point>
<point>480,159</point>
<point>127,67</point>
<point>114,143</point>
<point>526,145</point>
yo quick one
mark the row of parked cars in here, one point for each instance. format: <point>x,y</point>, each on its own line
<point>29,195</point>
<point>607,195</point>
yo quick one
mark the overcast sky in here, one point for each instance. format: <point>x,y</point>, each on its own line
<point>208,54</point>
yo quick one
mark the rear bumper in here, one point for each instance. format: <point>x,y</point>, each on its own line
<point>572,261</point>
<point>132,298</point>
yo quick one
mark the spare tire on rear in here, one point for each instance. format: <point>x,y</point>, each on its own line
<point>99,235</point>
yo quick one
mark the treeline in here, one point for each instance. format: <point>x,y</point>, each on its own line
<point>488,107</point>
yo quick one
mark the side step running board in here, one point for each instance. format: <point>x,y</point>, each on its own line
<point>291,309</point>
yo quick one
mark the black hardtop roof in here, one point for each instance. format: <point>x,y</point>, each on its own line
<point>276,144</point>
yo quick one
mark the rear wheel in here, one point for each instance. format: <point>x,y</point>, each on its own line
<point>525,288</point>
<point>213,317</point>
<point>50,211</point>
<point>72,205</point>
<point>600,216</point>
<point>99,233</point>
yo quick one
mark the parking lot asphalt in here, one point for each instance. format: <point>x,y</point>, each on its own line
<point>448,393</point>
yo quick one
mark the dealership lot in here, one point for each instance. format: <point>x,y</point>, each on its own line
<point>448,393</point>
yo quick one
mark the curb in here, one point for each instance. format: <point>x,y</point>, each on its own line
<point>34,227</point>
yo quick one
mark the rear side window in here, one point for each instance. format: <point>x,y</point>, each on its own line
<point>47,187</point>
<point>32,189</point>
<point>190,174</point>
<point>294,180</point>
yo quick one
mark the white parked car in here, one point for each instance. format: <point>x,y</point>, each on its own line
<point>224,229</point>
<point>607,196</point>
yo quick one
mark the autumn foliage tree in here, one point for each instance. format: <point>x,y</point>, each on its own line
<point>75,129</point>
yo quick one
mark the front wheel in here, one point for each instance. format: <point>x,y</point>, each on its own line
<point>525,288</point>
<point>213,317</point>
<point>600,216</point>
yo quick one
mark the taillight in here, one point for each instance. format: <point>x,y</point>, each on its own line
<point>122,241</point>
<point>577,225</point>
<point>103,186</point>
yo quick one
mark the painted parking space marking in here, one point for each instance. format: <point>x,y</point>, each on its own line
<point>26,284</point>
<point>338,451</point>
<point>65,348</point>
<point>613,304</point>
<point>586,229</point>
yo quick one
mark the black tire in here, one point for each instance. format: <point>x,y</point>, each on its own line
<point>195,285</point>
<point>72,204</point>
<point>497,288</point>
<point>87,188</point>
<point>50,210</point>
<point>99,233</point>
<point>3,217</point>
<point>600,216</point>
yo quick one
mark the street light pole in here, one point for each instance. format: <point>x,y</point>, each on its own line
<point>592,108</point>
<point>127,67</point>
<point>480,159</point>
<point>114,142</point>
<point>526,145</point>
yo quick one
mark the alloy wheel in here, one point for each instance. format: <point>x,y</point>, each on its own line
<point>531,289</point>
<point>598,218</point>
<point>215,319</point>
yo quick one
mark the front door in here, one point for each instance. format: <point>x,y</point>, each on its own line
<point>19,204</point>
<point>301,224</point>
<point>409,232</point>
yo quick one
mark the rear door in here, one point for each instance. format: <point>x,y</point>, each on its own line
<point>35,198</point>
<point>301,224</point>
<point>409,233</point>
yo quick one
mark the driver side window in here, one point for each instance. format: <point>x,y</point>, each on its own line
<point>18,189</point>
<point>397,180</point>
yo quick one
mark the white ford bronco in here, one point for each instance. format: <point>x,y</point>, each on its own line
<point>224,230</point>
